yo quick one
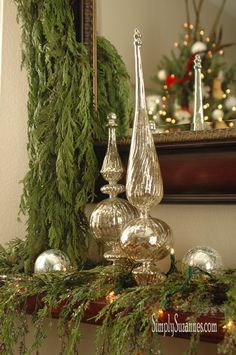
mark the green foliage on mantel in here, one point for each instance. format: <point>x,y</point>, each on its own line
<point>126,322</point>
<point>62,123</point>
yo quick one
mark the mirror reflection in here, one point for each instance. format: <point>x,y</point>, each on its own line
<point>173,33</point>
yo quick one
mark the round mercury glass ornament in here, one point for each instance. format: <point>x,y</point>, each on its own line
<point>110,215</point>
<point>144,239</point>
<point>52,260</point>
<point>204,258</point>
<point>147,240</point>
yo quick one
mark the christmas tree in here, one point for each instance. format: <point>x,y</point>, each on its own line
<point>172,105</point>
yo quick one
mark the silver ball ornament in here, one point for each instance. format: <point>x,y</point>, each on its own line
<point>205,258</point>
<point>52,260</point>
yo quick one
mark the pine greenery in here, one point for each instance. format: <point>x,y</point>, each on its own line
<point>62,124</point>
<point>113,89</point>
<point>126,322</point>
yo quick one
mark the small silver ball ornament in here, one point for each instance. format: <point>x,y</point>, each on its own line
<point>205,258</point>
<point>52,260</point>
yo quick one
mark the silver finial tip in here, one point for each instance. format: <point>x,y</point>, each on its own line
<point>111,118</point>
<point>197,62</point>
<point>137,37</point>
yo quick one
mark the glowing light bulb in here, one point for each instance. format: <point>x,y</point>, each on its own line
<point>160,313</point>
<point>210,54</point>
<point>220,107</point>
<point>111,297</point>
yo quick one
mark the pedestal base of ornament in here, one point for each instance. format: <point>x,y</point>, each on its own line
<point>148,274</point>
<point>116,256</point>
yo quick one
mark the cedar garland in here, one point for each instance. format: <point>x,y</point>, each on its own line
<point>61,126</point>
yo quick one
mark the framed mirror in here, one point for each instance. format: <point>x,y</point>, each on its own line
<point>197,167</point>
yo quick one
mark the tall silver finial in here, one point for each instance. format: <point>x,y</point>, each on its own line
<point>197,62</point>
<point>111,118</point>
<point>198,120</point>
<point>112,168</point>
<point>137,37</point>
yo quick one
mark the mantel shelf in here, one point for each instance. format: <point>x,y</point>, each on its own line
<point>194,170</point>
<point>167,316</point>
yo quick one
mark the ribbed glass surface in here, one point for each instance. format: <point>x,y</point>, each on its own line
<point>109,218</point>
<point>144,187</point>
<point>111,215</point>
<point>147,239</point>
<point>144,239</point>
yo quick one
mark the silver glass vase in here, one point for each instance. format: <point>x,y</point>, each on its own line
<point>110,216</point>
<point>144,239</point>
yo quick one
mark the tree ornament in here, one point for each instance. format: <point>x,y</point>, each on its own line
<point>206,91</point>
<point>152,101</point>
<point>204,258</point>
<point>217,114</point>
<point>144,239</point>
<point>52,260</point>
<point>183,116</point>
<point>198,47</point>
<point>217,91</point>
<point>162,75</point>
<point>230,102</point>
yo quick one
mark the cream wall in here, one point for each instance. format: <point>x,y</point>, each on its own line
<point>13,116</point>
<point>192,225</point>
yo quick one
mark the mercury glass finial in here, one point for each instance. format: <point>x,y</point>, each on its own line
<point>110,215</point>
<point>198,120</point>
<point>144,187</point>
<point>144,239</point>
<point>112,168</point>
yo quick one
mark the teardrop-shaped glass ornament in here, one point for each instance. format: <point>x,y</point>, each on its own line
<point>110,215</point>
<point>144,187</point>
<point>144,239</point>
<point>198,119</point>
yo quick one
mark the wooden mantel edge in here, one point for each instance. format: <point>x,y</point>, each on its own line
<point>169,316</point>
